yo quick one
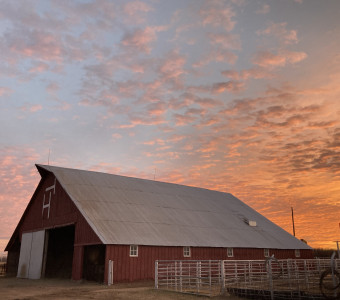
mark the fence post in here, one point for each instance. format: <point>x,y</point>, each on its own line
<point>110,273</point>
<point>210,276</point>
<point>222,276</point>
<point>156,274</point>
<point>270,275</point>
<point>180,276</point>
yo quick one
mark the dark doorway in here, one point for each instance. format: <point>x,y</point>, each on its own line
<point>94,263</point>
<point>59,253</point>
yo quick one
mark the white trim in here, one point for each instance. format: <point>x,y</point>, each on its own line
<point>230,252</point>
<point>297,253</point>
<point>133,250</point>
<point>266,252</point>
<point>186,251</point>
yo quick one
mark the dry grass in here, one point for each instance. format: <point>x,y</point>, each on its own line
<point>15,289</point>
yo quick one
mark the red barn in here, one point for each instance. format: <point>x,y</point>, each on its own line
<point>78,220</point>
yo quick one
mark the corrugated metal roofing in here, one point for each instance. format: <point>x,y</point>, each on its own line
<point>126,210</point>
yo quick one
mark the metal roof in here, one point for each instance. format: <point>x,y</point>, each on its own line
<point>126,210</point>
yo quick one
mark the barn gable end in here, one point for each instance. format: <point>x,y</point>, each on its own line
<point>51,210</point>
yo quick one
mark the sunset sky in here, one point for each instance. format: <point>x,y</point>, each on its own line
<point>240,96</point>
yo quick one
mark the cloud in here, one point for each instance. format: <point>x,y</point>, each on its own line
<point>267,59</point>
<point>216,14</point>
<point>18,181</point>
<point>141,39</point>
<point>225,40</point>
<point>279,31</point>
<point>216,55</point>
<point>172,66</point>
<point>5,91</point>
<point>135,11</point>
<point>256,73</point>
<point>264,9</point>
<point>31,107</point>
<point>35,43</point>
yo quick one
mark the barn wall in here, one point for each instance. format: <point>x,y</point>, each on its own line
<point>62,212</point>
<point>128,268</point>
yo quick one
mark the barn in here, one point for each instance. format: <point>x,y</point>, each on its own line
<point>77,221</point>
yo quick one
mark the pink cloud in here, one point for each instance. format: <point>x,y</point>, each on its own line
<point>4,91</point>
<point>225,40</point>
<point>31,107</point>
<point>36,43</point>
<point>39,67</point>
<point>255,73</point>
<point>268,59</point>
<point>217,55</point>
<point>172,66</point>
<point>230,86</point>
<point>141,39</point>
<point>279,30</point>
<point>18,181</point>
<point>158,108</point>
<point>135,11</point>
<point>218,15</point>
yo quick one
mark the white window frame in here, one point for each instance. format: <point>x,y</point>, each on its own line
<point>297,253</point>
<point>266,252</point>
<point>133,250</point>
<point>186,251</point>
<point>230,252</point>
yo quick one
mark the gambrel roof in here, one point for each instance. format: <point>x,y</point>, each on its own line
<point>126,210</point>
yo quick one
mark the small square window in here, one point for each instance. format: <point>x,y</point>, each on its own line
<point>230,252</point>
<point>266,252</point>
<point>186,251</point>
<point>134,250</point>
<point>297,252</point>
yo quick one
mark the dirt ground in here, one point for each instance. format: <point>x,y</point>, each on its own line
<point>15,289</point>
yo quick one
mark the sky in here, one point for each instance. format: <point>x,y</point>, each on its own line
<point>239,96</point>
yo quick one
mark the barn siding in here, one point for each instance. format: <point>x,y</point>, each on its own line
<point>128,268</point>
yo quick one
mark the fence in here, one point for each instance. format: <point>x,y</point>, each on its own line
<point>255,279</point>
<point>189,276</point>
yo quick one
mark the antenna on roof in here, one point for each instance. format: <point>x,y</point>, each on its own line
<point>48,159</point>
<point>154,175</point>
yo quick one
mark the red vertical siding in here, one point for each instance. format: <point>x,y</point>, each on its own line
<point>77,265</point>
<point>128,268</point>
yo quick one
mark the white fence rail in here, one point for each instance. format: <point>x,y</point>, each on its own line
<point>254,279</point>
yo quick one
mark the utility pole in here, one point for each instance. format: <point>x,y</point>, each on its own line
<point>293,220</point>
<point>337,245</point>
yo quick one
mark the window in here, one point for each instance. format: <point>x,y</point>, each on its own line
<point>230,252</point>
<point>134,250</point>
<point>297,252</point>
<point>266,252</point>
<point>186,251</point>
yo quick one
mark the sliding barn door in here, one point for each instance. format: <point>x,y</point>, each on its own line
<point>31,255</point>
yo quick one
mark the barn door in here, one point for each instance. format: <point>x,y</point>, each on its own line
<point>31,255</point>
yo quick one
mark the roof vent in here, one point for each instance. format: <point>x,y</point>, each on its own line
<point>250,222</point>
